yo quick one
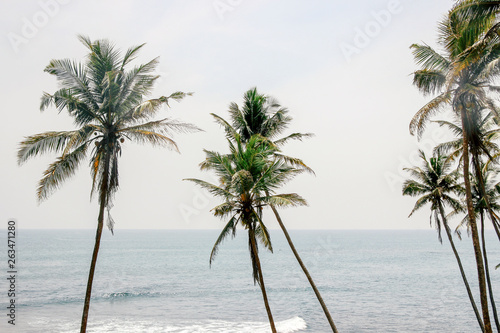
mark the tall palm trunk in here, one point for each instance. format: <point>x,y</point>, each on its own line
<point>488,280</point>
<point>462,272</point>
<point>484,196</point>
<point>475,235</point>
<point>102,202</point>
<point>251,233</point>
<point>306,272</point>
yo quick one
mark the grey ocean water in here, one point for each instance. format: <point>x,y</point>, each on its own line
<point>160,281</point>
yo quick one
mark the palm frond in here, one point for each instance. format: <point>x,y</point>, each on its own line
<point>213,189</point>
<point>261,232</point>
<point>63,168</point>
<point>130,55</point>
<point>428,81</point>
<point>429,59</point>
<point>155,139</point>
<point>225,208</point>
<point>231,133</point>
<point>419,121</point>
<point>42,143</point>
<point>283,200</point>
<point>73,76</point>
<point>295,162</point>
<point>422,201</point>
<point>229,229</point>
<point>157,132</point>
<point>149,108</point>
<point>293,136</point>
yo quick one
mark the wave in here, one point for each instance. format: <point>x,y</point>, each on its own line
<point>124,325</point>
<point>129,295</point>
<point>61,300</point>
<point>295,324</point>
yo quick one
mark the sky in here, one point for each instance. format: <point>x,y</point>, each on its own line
<point>342,68</point>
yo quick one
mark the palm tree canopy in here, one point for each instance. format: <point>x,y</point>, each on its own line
<point>433,183</point>
<point>105,98</point>
<point>259,114</point>
<point>262,115</point>
<point>245,176</point>
<point>463,75</point>
<point>484,134</point>
<point>477,13</point>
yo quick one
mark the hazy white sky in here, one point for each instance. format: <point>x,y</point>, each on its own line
<point>342,68</point>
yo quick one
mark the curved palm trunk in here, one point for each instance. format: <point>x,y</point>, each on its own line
<point>261,279</point>
<point>462,272</point>
<point>475,235</point>
<point>100,220</point>
<point>306,272</point>
<point>488,280</point>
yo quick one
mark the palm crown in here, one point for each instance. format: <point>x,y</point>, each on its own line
<point>434,184</point>
<point>245,176</point>
<point>106,101</point>
<point>463,75</point>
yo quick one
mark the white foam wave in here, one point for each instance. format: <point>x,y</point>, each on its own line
<point>295,324</point>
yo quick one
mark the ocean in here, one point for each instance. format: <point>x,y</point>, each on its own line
<point>161,281</point>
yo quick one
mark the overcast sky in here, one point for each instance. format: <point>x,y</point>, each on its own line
<point>341,67</point>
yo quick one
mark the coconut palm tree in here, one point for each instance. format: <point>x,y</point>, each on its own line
<point>485,133</point>
<point>482,207</point>
<point>263,115</point>
<point>434,184</point>
<point>106,100</point>
<point>246,175</point>
<point>461,78</point>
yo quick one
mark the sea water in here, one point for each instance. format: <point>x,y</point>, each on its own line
<point>161,281</point>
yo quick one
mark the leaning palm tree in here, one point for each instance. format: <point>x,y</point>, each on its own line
<point>246,176</point>
<point>461,78</point>
<point>106,101</point>
<point>483,204</point>
<point>483,135</point>
<point>263,115</point>
<point>433,184</point>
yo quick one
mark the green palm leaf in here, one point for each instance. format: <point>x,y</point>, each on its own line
<point>63,168</point>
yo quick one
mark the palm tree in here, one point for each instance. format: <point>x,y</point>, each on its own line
<point>484,135</point>
<point>433,184</point>
<point>246,175</point>
<point>263,115</point>
<point>106,101</point>
<point>483,203</point>
<point>461,78</point>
